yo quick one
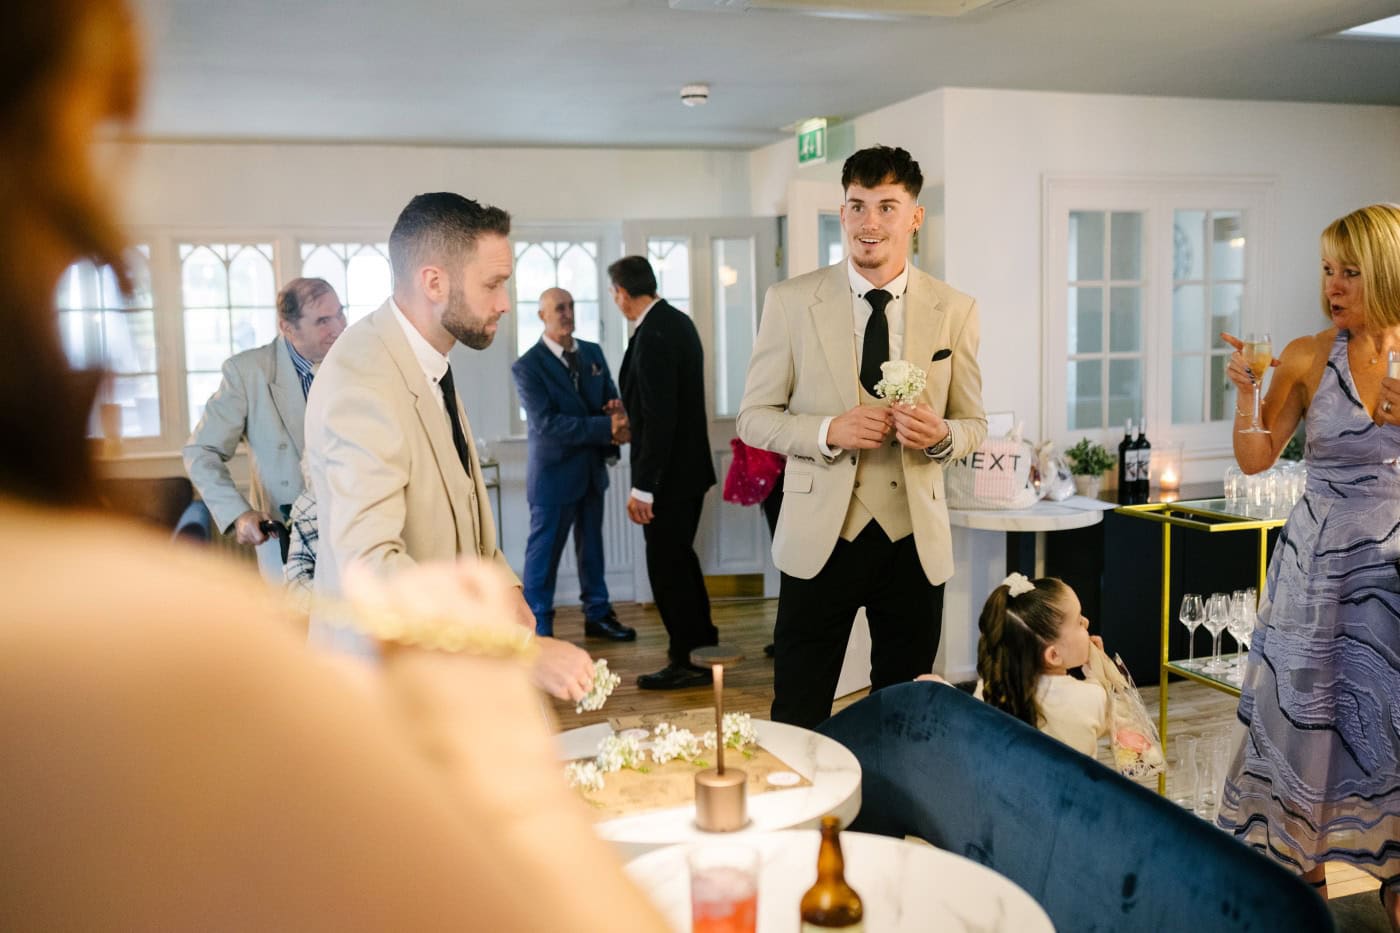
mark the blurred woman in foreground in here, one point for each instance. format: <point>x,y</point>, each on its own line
<point>169,770</point>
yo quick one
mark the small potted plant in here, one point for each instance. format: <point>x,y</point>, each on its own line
<point>1089,461</point>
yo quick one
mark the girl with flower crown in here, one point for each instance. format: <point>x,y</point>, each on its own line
<point>1033,633</point>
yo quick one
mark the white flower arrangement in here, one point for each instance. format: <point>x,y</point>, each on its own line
<point>900,380</point>
<point>616,753</point>
<point>584,774</point>
<point>668,743</point>
<point>604,683</point>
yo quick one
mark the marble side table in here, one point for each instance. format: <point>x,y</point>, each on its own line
<point>904,886</point>
<point>832,769</point>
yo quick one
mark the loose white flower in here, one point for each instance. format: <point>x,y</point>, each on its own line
<point>739,730</point>
<point>616,753</point>
<point>900,380</point>
<point>604,683</point>
<point>670,743</point>
<point>584,774</point>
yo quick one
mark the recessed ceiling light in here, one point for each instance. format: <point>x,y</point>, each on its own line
<point>693,95</point>
<point>1388,28</point>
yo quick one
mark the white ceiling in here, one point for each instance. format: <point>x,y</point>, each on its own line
<point>608,72</point>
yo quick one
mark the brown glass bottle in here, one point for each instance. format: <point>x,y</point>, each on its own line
<point>831,904</point>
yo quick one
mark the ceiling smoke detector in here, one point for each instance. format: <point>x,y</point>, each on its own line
<point>694,95</point>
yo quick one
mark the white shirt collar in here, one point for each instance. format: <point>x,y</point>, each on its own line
<point>557,348</point>
<point>860,284</point>
<point>643,316</point>
<point>433,363</point>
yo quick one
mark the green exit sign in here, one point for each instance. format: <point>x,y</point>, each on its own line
<point>811,142</point>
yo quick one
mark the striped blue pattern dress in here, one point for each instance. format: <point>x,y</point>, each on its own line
<point>1317,778</point>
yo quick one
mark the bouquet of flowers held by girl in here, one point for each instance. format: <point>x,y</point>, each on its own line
<point>1137,749</point>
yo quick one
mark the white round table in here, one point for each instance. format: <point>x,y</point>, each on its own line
<point>832,769</point>
<point>903,886</point>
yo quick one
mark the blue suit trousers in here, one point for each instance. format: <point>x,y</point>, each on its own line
<point>549,530</point>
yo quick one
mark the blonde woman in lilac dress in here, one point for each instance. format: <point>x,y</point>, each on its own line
<point>1317,778</point>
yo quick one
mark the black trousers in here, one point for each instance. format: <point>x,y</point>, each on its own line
<point>815,616</point>
<point>677,584</point>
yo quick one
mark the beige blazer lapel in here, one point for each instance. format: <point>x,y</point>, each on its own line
<point>923,320</point>
<point>831,318</point>
<point>287,397</point>
<point>431,415</point>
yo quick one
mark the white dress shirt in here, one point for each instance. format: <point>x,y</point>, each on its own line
<point>557,348</point>
<point>434,364</point>
<point>860,317</point>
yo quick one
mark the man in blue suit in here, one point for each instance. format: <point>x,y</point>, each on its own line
<point>576,425</point>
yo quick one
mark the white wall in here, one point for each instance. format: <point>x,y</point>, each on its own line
<point>336,185</point>
<point>1326,160</point>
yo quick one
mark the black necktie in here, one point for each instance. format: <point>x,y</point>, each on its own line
<point>877,339</point>
<point>459,437</point>
<point>571,358</point>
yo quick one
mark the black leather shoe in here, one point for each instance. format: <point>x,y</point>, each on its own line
<point>675,676</point>
<point>608,627</point>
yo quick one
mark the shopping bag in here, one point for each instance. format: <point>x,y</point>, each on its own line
<point>998,475</point>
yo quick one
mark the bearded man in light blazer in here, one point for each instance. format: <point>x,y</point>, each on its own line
<point>390,452</point>
<point>262,399</point>
<point>864,520</point>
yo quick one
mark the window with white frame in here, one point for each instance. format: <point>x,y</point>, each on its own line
<point>1140,278</point>
<point>228,298</point>
<point>670,260</point>
<point>102,328</point>
<point>359,272</point>
<point>1208,284</point>
<point>1104,326</point>
<point>736,318</point>
<point>543,264</point>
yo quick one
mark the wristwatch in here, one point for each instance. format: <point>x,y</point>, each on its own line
<point>940,450</point>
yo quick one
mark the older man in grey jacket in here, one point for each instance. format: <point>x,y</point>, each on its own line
<point>262,399</point>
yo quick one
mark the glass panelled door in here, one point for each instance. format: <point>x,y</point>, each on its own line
<point>717,271</point>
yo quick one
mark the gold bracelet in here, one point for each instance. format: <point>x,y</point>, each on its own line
<point>428,632</point>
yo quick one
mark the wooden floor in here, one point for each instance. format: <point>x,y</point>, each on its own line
<point>748,625</point>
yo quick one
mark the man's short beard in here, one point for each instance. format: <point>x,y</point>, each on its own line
<point>458,322</point>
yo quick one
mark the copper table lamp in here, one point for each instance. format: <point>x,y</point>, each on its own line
<point>721,798</point>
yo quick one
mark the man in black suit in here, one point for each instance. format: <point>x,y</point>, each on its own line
<point>663,392</point>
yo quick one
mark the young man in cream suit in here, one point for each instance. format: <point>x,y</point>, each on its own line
<point>864,522</point>
<point>390,453</point>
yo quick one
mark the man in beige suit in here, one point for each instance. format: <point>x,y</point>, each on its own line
<point>390,452</point>
<point>864,521</point>
<point>262,399</point>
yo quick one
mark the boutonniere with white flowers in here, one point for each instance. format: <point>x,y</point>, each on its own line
<point>900,380</point>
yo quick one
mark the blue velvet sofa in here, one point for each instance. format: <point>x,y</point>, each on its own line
<point>1097,851</point>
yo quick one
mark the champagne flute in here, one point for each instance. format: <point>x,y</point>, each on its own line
<point>1240,624</point>
<point>1258,354</point>
<point>1191,614</point>
<point>1217,616</point>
